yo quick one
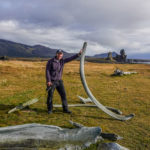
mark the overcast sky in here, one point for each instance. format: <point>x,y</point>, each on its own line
<point>107,25</point>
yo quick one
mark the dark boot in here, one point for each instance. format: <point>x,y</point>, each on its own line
<point>66,110</point>
<point>50,112</point>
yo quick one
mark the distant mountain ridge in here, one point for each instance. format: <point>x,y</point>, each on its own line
<point>13,49</point>
<point>104,55</point>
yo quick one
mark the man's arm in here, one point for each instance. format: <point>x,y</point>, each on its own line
<point>72,57</point>
<point>48,76</point>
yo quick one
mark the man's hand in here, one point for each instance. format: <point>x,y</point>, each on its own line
<point>80,51</point>
<point>49,83</point>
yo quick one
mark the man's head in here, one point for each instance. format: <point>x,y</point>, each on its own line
<point>59,54</point>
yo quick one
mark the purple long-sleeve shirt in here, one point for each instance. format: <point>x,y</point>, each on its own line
<point>54,68</point>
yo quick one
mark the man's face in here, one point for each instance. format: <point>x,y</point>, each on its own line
<point>59,56</point>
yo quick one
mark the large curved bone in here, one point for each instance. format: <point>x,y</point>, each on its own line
<point>89,93</point>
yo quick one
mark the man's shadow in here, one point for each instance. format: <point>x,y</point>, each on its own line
<point>6,107</point>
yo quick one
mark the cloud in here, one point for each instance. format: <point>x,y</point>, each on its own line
<point>55,37</point>
<point>105,24</point>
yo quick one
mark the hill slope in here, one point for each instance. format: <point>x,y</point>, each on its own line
<point>13,49</point>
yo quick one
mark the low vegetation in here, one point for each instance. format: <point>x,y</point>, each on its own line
<point>21,81</point>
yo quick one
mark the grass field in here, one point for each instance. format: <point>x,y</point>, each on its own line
<point>21,81</point>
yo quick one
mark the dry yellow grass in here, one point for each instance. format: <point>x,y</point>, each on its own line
<point>21,81</point>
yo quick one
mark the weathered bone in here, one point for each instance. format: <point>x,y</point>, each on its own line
<point>119,72</point>
<point>90,95</point>
<point>74,105</point>
<point>21,106</point>
<point>54,137</point>
<point>110,146</point>
<point>108,136</point>
<point>111,136</point>
<point>84,100</point>
<point>77,125</point>
<point>38,135</point>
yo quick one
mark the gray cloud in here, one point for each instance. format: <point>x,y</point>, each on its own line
<point>105,24</point>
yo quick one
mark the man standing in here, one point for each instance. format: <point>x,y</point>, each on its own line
<point>54,70</point>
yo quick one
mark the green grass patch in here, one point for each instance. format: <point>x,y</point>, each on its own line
<point>22,80</point>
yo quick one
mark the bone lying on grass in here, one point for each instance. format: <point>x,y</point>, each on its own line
<point>88,105</point>
<point>86,100</point>
<point>21,106</point>
<point>30,102</point>
<point>40,135</point>
<point>110,146</point>
<point>119,72</point>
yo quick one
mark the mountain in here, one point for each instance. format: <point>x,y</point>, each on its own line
<point>13,49</point>
<point>104,55</point>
